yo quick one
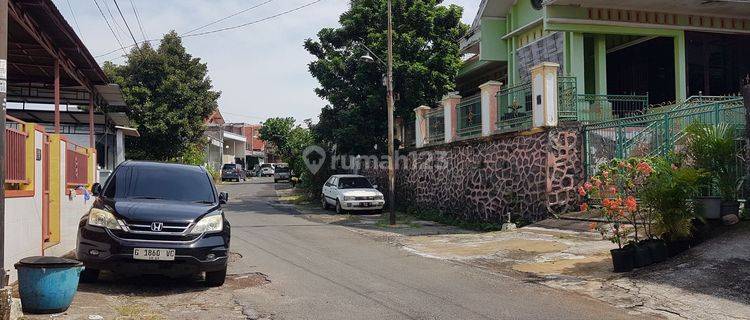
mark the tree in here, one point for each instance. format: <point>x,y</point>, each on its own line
<point>426,61</point>
<point>169,95</point>
<point>289,139</point>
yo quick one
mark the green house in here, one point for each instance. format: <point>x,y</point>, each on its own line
<point>631,53</point>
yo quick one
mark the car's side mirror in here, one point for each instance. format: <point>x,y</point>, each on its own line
<point>223,197</point>
<point>374,186</point>
<point>96,189</point>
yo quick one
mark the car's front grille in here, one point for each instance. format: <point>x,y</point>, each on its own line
<point>155,231</point>
<point>166,227</point>
<point>364,198</point>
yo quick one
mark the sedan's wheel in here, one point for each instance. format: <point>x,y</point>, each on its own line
<point>216,278</point>
<point>324,202</point>
<point>89,275</point>
<point>339,209</point>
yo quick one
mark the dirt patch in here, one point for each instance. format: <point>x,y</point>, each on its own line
<point>234,257</point>
<point>581,266</point>
<point>246,280</point>
<point>455,247</point>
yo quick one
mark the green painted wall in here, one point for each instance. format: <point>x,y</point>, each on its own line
<point>523,14</point>
<point>491,47</point>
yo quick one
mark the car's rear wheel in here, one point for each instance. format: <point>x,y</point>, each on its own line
<point>89,275</point>
<point>339,209</point>
<point>216,278</point>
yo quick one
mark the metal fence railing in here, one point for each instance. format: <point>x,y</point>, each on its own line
<point>654,133</point>
<point>410,135</point>
<point>435,126</point>
<point>604,107</point>
<point>469,112</point>
<point>76,165</point>
<point>15,151</point>
<point>514,108</point>
<point>566,98</point>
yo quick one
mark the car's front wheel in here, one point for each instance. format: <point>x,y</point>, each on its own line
<point>216,278</point>
<point>339,209</point>
<point>324,202</point>
<point>89,275</point>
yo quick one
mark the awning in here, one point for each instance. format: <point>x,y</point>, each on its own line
<point>128,131</point>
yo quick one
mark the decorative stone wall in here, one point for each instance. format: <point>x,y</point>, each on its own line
<point>531,175</point>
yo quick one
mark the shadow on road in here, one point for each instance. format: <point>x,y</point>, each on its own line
<point>143,285</point>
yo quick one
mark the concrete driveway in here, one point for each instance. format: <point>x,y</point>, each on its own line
<point>287,267</point>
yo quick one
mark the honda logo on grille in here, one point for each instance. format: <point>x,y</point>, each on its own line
<point>156,226</point>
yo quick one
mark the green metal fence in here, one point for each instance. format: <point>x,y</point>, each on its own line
<point>567,109</point>
<point>604,107</point>
<point>435,126</point>
<point>514,108</point>
<point>655,133</point>
<point>469,112</point>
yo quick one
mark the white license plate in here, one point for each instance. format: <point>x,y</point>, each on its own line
<point>365,204</point>
<point>153,254</point>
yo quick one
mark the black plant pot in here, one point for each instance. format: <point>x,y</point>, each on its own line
<point>676,247</point>
<point>730,207</point>
<point>622,259</point>
<point>657,248</point>
<point>641,256</point>
<point>700,232</point>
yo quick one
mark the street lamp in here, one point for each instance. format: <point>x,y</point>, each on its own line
<point>389,85</point>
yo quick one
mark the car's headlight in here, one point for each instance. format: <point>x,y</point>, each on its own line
<point>379,197</point>
<point>103,218</point>
<point>212,223</point>
<point>348,198</point>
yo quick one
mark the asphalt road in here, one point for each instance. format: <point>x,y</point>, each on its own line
<point>320,271</point>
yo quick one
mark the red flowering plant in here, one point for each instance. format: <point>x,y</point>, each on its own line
<point>613,192</point>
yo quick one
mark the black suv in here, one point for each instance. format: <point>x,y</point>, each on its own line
<point>156,218</point>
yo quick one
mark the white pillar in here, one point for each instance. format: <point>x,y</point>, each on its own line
<point>489,106</point>
<point>119,147</point>
<point>544,94</point>
<point>420,125</point>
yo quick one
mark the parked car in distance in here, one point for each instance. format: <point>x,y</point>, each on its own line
<point>156,218</point>
<point>347,192</point>
<point>266,170</point>
<point>282,173</point>
<point>232,171</point>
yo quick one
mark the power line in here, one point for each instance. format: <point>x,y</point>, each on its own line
<point>222,29</point>
<point>75,19</point>
<point>227,17</point>
<point>253,22</point>
<point>114,21</point>
<point>110,27</point>
<point>138,19</point>
<point>126,23</point>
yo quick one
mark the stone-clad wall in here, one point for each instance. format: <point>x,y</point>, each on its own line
<point>533,175</point>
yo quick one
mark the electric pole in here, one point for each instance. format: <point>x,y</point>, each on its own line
<point>391,152</point>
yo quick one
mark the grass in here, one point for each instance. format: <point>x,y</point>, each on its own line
<point>401,219</point>
<point>297,199</point>
<point>136,311</point>
<point>436,216</point>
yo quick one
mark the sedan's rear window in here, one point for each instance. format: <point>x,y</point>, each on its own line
<point>163,183</point>
<point>229,166</point>
<point>282,169</point>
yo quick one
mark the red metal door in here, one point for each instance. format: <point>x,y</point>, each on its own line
<point>45,190</point>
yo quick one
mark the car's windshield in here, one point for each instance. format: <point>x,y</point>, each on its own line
<point>229,166</point>
<point>163,183</point>
<point>265,165</point>
<point>355,182</point>
<point>282,169</point>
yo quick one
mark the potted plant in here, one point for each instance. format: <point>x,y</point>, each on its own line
<point>668,192</point>
<point>712,149</point>
<point>616,187</point>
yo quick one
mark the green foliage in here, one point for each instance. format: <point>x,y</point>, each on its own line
<point>437,216</point>
<point>669,191</point>
<point>426,60</point>
<point>290,140</point>
<point>169,94</point>
<point>194,154</point>
<point>712,148</point>
<point>215,174</point>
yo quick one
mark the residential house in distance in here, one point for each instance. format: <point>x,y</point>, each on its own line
<point>226,142</point>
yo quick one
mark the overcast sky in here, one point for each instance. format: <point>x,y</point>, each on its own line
<point>261,69</point>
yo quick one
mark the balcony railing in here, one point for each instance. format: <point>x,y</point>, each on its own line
<point>469,112</point>
<point>514,108</point>
<point>15,151</point>
<point>435,126</point>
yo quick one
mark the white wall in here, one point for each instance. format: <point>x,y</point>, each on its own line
<point>23,221</point>
<point>72,208</point>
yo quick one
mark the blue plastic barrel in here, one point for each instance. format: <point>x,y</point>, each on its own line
<point>47,284</point>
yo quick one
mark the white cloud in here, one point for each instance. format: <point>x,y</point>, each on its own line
<point>261,69</point>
